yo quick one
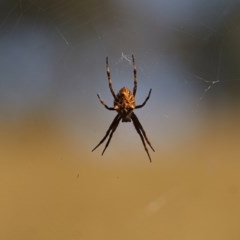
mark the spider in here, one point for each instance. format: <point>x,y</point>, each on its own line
<point>124,104</point>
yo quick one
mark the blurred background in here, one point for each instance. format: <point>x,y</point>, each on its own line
<point>52,65</point>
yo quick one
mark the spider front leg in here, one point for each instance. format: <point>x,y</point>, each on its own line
<point>149,94</point>
<point>135,76</point>
<point>109,79</point>
<point>103,103</point>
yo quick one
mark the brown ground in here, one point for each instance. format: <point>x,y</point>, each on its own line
<point>50,191</point>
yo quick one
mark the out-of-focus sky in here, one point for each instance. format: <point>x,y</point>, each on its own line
<point>52,65</point>
<point>53,60</point>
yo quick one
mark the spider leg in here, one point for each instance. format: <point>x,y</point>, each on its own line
<point>141,136</point>
<point>103,103</point>
<point>114,127</point>
<point>134,117</point>
<point>135,76</point>
<point>108,131</point>
<point>109,79</point>
<point>140,106</point>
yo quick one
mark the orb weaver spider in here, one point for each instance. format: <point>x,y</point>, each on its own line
<point>124,104</point>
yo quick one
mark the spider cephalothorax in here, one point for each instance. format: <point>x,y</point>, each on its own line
<point>124,104</point>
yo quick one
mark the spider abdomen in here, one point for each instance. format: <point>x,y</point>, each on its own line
<point>125,100</point>
<point>125,103</point>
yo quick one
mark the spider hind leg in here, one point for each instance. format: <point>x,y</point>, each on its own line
<point>113,129</point>
<point>142,134</point>
<point>110,131</point>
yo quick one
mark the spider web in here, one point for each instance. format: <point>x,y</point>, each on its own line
<point>53,58</point>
